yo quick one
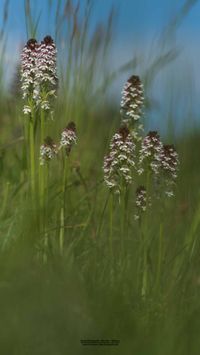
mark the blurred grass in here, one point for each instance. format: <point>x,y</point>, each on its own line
<point>48,309</point>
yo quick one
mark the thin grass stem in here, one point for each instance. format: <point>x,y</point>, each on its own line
<point>32,158</point>
<point>160,256</point>
<point>145,240</point>
<point>62,211</point>
<point>111,228</point>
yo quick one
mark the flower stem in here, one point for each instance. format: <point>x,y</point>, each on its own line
<point>62,211</point>
<point>45,170</point>
<point>160,255</point>
<point>42,168</point>
<point>32,159</point>
<point>123,214</point>
<point>145,246</point>
<point>111,228</point>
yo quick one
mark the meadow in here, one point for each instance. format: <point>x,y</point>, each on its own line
<point>75,263</point>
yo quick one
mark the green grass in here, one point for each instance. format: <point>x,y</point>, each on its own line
<point>48,308</point>
<point>91,288</point>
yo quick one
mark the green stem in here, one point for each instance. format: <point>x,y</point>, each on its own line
<point>62,211</point>
<point>32,159</point>
<point>111,227</point>
<point>160,255</point>
<point>42,169</point>
<point>144,279</point>
<point>101,219</point>
<point>139,257</point>
<point>43,189</point>
<point>145,240</point>
<point>192,236</point>
<point>45,170</point>
<point>26,146</point>
<point>42,126</point>
<point>5,198</point>
<point>122,214</point>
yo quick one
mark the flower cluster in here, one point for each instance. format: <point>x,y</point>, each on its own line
<point>28,73</point>
<point>150,153</point>
<point>68,137</point>
<point>132,100</point>
<point>119,162</point>
<point>38,74</point>
<point>161,160</point>
<point>169,165</point>
<point>142,201</point>
<point>141,198</point>
<point>170,161</point>
<point>148,156</point>
<point>48,150</point>
<point>46,71</point>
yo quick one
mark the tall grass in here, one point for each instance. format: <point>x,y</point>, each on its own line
<point>91,271</point>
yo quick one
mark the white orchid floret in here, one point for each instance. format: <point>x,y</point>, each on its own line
<point>45,105</point>
<point>169,193</point>
<point>27,110</point>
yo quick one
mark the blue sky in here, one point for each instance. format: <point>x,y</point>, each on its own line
<point>133,16</point>
<point>136,32</point>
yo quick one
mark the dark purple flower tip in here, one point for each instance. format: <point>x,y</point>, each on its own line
<point>124,132</point>
<point>140,190</point>
<point>71,126</point>
<point>48,40</point>
<point>134,80</point>
<point>48,141</point>
<point>31,44</point>
<point>153,134</point>
<point>168,148</point>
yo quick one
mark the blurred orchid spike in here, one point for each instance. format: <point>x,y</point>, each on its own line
<point>48,150</point>
<point>142,201</point>
<point>68,137</point>
<point>169,166</point>
<point>150,153</point>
